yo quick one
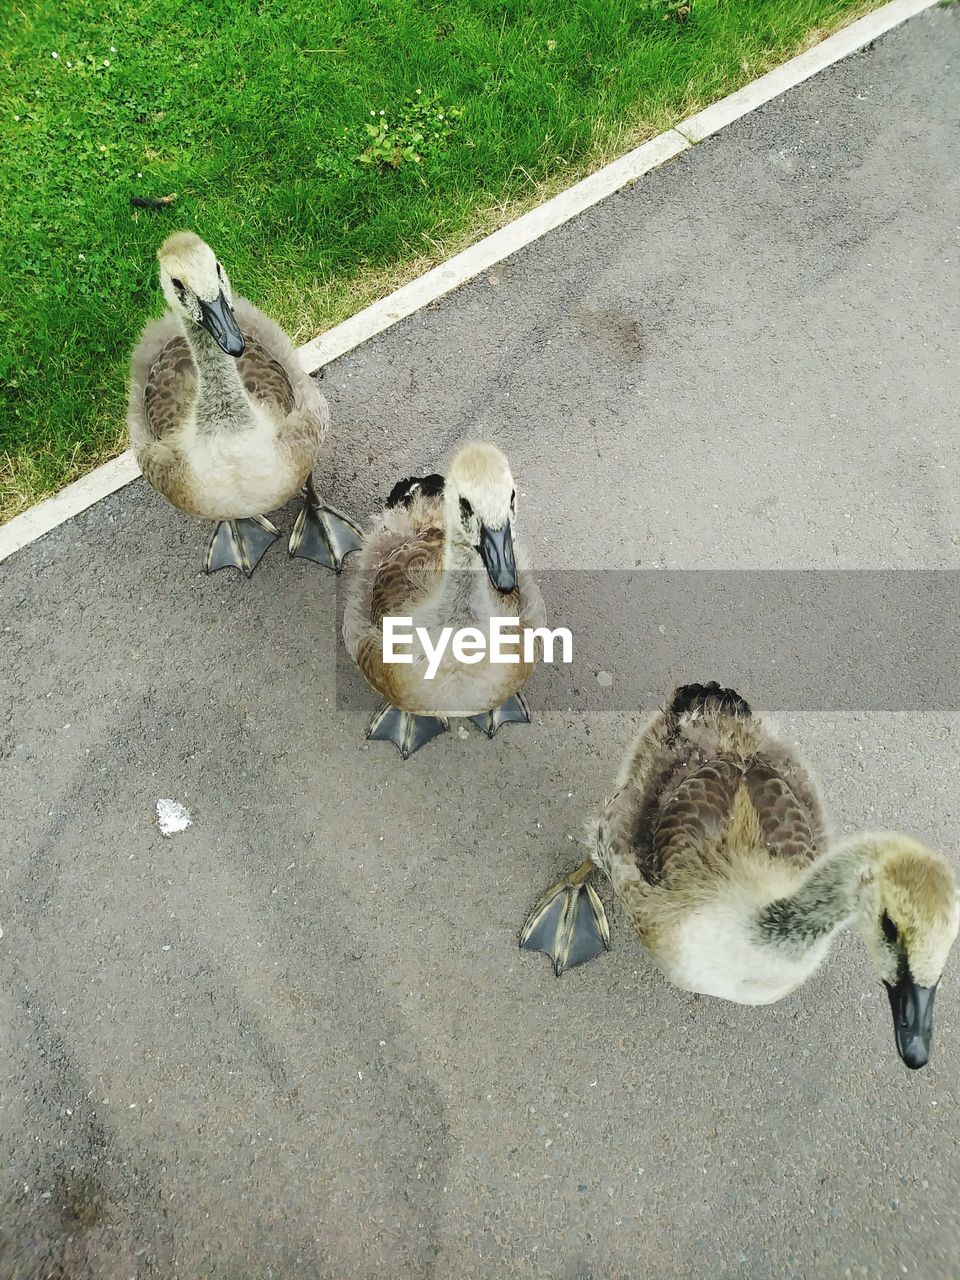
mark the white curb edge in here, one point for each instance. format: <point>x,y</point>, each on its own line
<point>111,476</point>
<point>69,502</point>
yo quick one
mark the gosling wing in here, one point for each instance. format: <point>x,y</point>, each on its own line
<point>789,828</point>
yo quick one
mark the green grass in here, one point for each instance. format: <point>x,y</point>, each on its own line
<point>256,113</point>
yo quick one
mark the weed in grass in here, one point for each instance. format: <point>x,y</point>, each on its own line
<point>416,132</point>
<point>669,10</point>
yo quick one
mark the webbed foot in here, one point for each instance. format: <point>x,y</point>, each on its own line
<point>513,711</point>
<point>568,923</point>
<point>322,534</point>
<point>407,731</point>
<point>240,544</point>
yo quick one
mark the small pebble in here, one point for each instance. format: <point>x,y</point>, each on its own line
<point>172,817</point>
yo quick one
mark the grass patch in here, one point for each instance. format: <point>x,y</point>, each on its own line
<point>328,151</point>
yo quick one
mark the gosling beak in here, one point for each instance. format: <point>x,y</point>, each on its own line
<point>496,552</point>
<point>218,319</point>
<point>912,1019</point>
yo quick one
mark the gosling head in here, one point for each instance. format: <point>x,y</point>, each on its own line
<point>196,286</point>
<point>910,922</point>
<point>481,506</point>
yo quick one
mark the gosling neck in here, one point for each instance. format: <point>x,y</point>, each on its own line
<point>458,556</point>
<point>463,577</point>
<point>830,896</point>
<point>222,402</point>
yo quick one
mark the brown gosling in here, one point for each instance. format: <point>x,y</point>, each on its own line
<point>223,420</point>
<point>716,844</point>
<point>443,553</point>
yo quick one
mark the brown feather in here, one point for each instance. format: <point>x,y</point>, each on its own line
<point>265,378</point>
<point>785,823</point>
<point>696,814</point>
<point>170,390</point>
<point>408,574</point>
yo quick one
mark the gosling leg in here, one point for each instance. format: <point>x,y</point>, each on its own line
<point>322,534</point>
<point>568,923</point>
<point>240,544</point>
<point>513,711</point>
<point>407,731</point>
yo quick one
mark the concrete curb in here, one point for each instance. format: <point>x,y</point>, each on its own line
<point>111,476</point>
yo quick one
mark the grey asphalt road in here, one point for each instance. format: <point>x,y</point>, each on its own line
<point>297,1038</point>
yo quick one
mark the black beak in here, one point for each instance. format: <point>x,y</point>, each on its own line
<point>912,1020</point>
<point>218,319</point>
<point>496,552</point>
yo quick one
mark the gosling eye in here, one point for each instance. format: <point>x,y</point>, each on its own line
<point>466,511</point>
<point>219,271</point>
<point>890,931</point>
<point>513,500</point>
<point>178,287</point>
